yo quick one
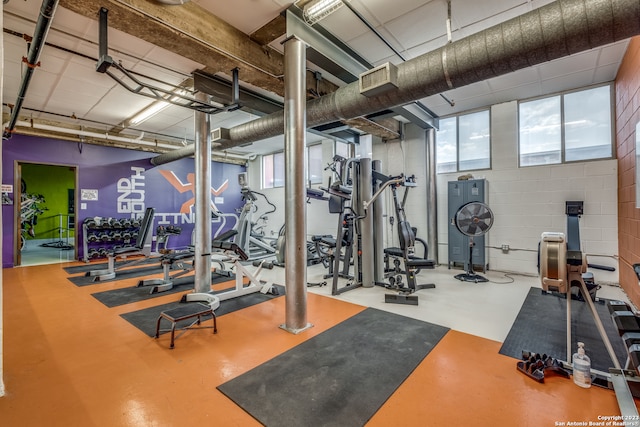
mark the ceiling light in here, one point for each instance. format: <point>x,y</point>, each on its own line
<point>320,9</point>
<point>151,110</point>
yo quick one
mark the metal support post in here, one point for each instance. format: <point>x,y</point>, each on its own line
<point>295,209</point>
<point>366,224</point>
<point>432,197</point>
<point>378,230</point>
<point>202,259</point>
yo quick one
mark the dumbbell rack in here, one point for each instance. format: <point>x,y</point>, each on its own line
<point>100,235</point>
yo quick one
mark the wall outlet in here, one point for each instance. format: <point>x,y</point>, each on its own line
<point>505,248</point>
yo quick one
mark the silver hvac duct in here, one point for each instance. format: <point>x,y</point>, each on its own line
<point>47,10</point>
<point>553,31</point>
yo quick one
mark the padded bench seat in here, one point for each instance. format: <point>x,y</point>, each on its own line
<point>413,260</point>
<point>186,312</point>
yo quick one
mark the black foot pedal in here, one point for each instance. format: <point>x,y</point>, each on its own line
<point>401,299</point>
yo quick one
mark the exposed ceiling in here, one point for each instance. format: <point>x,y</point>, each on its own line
<point>165,44</point>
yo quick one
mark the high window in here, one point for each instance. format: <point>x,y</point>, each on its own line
<point>463,143</point>
<point>569,127</point>
<point>273,170</point>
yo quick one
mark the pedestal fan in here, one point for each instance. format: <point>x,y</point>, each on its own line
<point>473,219</point>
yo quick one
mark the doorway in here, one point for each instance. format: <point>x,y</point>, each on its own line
<point>44,214</point>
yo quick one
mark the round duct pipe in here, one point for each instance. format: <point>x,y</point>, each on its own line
<point>108,137</point>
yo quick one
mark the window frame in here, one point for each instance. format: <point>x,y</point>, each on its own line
<point>308,178</point>
<point>563,147</point>
<point>457,142</point>
<point>273,176</point>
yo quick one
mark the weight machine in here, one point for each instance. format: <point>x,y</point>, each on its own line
<point>356,197</point>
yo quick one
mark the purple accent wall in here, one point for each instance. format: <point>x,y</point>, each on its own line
<point>125,183</point>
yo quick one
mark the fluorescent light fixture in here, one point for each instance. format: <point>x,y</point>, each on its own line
<point>154,108</point>
<point>148,112</point>
<point>320,9</point>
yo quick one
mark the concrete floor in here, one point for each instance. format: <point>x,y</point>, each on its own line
<point>71,361</point>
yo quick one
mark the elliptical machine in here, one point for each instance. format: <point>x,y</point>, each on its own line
<point>250,237</point>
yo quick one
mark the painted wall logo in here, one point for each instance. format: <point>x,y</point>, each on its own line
<point>131,193</point>
<point>186,214</point>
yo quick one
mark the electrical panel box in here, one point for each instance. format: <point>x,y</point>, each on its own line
<point>459,194</point>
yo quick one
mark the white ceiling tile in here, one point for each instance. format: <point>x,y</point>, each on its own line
<point>518,93</point>
<point>246,16</point>
<point>467,13</point>
<point>383,11</point>
<point>611,54</point>
<point>606,73</point>
<point>515,79</point>
<point>422,25</point>
<point>568,65</point>
<point>567,82</point>
<point>344,24</point>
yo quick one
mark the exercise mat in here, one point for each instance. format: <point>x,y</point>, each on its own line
<point>75,269</point>
<point>146,319</point>
<point>540,327</point>
<point>120,275</point>
<point>116,297</point>
<point>340,377</point>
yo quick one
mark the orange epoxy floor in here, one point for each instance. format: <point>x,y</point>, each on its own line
<point>71,361</point>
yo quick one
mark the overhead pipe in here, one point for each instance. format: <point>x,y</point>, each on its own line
<point>47,10</point>
<point>553,31</point>
<point>107,137</point>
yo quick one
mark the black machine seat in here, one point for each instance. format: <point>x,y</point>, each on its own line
<point>230,246</point>
<point>325,240</point>
<point>420,263</point>
<point>413,260</point>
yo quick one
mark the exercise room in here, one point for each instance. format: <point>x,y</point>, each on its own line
<point>320,213</point>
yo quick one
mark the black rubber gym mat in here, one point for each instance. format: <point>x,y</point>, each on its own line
<point>146,319</point>
<point>116,297</point>
<point>75,269</point>
<point>120,275</point>
<point>345,373</point>
<point>540,327</point>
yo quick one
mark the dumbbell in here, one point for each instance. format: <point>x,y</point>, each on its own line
<point>92,238</point>
<point>92,253</point>
<point>105,237</point>
<point>116,235</point>
<point>126,222</point>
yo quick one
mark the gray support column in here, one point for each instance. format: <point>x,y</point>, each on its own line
<point>432,197</point>
<point>295,207</point>
<point>366,224</point>
<point>203,199</point>
<point>378,230</point>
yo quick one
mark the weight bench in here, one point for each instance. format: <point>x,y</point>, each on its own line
<point>142,246</point>
<point>186,312</point>
<point>240,289</point>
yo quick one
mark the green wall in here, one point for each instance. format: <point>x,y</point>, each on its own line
<point>53,182</point>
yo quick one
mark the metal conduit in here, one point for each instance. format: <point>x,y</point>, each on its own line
<point>47,10</point>
<point>553,31</point>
